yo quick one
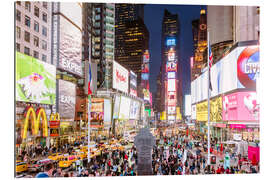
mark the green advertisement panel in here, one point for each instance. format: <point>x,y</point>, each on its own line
<point>35,80</point>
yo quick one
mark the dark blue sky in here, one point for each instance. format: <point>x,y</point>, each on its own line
<point>153,15</point>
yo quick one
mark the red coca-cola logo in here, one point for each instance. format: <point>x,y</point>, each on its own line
<point>119,77</point>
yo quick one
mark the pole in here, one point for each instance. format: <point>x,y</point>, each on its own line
<point>89,117</point>
<point>208,96</point>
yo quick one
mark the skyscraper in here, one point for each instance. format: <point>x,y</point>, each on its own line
<point>171,95</point>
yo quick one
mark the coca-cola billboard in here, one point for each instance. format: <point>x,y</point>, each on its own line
<point>120,77</point>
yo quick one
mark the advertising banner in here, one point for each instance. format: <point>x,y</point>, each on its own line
<point>171,55</point>
<point>73,11</point>
<point>171,98</point>
<point>35,80</point>
<point>54,132</point>
<point>241,106</point>
<point>124,108</point>
<point>178,113</point>
<point>146,57</point>
<point>116,107</point>
<point>171,66</point>
<point>145,68</point>
<point>171,75</point>
<point>193,112</point>
<point>70,47</point>
<point>97,113</point>
<point>171,85</point>
<point>187,105</point>
<point>146,95</point>
<point>133,84</point>
<point>145,76</point>
<point>66,99</point>
<point>134,110</point>
<point>120,77</point>
<point>216,109</point>
<point>202,111</point>
<point>107,113</point>
<point>171,110</point>
<point>171,41</point>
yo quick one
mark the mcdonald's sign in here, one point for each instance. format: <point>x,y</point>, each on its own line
<point>54,120</point>
<point>34,116</point>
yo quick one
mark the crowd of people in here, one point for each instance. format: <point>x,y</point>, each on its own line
<point>175,155</point>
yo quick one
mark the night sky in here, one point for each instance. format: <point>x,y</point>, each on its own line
<point>153,15</point>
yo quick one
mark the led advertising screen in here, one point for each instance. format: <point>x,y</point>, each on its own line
<point>146,57</point>
<point>171,66</point>
<point>35,80</point>
<point>241,106</point>
<point>70,42</point>
<point>120,77</point>
<point>107,113</point>
<point>134,110</point>
<point>202,111</point>
<point>171,41</point>
<point>171,85</point>
<point>124,108</point>
<point>145,68</point>
<point>66,99</point>
<point>133,84</point>
<point>146,95</point>
<point>193,112</point>
<point>170,117</point>
<point>171,55</point>
<point>145,76</point>
<point>171,75</point>
<point>171,98</point>
<point>187,105</point>
<point>97,113</point>
<point>171,110</point>
<point>116,107</point>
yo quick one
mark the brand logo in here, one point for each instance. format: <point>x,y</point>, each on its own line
<point>71,66</point>
<point>67,99</point>
<point>54,120</point>
<point>119,77</point>
<point>248,67</point>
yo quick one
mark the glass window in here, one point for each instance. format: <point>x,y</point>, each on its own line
<point>44,45</point>
<point>18,47</point>
<point>36,26</point>
<point>44,31</point>
<point>36,11</point>
<point>36,41</point>
<point>27,21</point>
<point>27,51</point>
<point>28,6</point>
<point>26,36</point>
<point>45,4</point>
<point>18,32</point>
<point>44,57</point>
<point>44,17</point>
<point>18,15</point>
<point>36,54</point>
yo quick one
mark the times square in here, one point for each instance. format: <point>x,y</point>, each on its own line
<point>94,96</point>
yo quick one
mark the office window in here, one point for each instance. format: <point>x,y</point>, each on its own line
<point>27,21</point>
<point>44,45</point>
<point>44,17</point>
<point>36,26</point>
<point>18,47</point>
<point>27,51</point>
<point>35,54</point>
<point>18,32</point>
<point>36,41</point>
<point>45,4</point>
<point>36,11</point>
<point>28,6</point>
<point>26,36</point>
<point>44,57</point>
<point>44,31</point>
<point>18,15</point>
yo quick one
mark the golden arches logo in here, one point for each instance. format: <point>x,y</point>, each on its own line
<point>55,117</point>
<point>40,113</point>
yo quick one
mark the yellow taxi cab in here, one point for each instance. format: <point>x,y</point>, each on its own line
<point>55,156</point>
<point>80,154</point>
<point>21,166</point>
<point>67,160</point>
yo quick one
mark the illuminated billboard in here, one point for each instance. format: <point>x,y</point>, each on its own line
<point>124,111</point>
<point>145,68</point>
<point>133,84</point>
<point>171,110</point>
<point>171,85</point>
<point>171,66</point>
<point>146,57</point>
<point>193,112</point>
<point>66,99</point>
<point>171,41</point>
<point>97,112</point>
<point>187,105</point>
<point>120,77</point>
<point>116,107</point>
<point>146,95</point>
<point>107,113</point>
<point>171,75</point>
<point>170,117</point>
<point>145,76</point>
<point>171,55</point>
<point>35,80</point>
<point>134,110</point>
<point>171,98</point>
<point>241,106</point>
<point>70,42</point>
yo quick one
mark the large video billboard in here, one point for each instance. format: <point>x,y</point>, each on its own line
<point>97,112</point>
<point>134,110</point>
<point>116,107</point>
<point>107,113</point>
<point>171,85</point>
<point>241,106</point>
<point>133,84</point>
<point>171,98</point>
<point>35,80</point>
<point>120,77</point>
<point>146,95</point>
<point>66,99</point>
<point>124,108</point>
<point>187,105</point>
<point>70,42</point>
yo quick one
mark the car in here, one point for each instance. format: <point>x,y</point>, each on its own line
<point>55,156</point>
<point>21,166</point>
<point>67,161</point>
